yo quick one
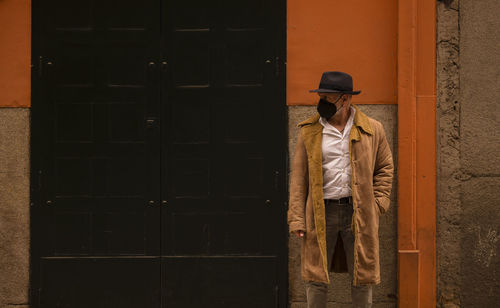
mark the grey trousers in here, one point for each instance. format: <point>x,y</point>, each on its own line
<point>338,219</point>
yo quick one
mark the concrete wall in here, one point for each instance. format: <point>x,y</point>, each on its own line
<point>468,153</point>
<point>14,207</point>
<point>339,290</point>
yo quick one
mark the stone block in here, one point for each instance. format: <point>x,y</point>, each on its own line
<point>479,58</point>
<point>14,206</point>
<point>480,257</point>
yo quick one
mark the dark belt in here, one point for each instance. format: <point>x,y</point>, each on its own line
<point>345,200</point>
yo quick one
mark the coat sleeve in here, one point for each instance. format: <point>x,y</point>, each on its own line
<point>383,172</point>
<point>299,183</point>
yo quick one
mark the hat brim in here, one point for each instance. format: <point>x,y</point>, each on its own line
<point>335,91</point>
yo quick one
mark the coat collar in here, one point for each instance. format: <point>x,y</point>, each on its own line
<point>360,121</point>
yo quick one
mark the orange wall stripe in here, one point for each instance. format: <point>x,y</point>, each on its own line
<point>15,53</point>
<point>406,127</point>
<point>417,153</point>
<point>426,149</point>
<point>410,289</point>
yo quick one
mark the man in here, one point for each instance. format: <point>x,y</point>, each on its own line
<point>341,180</point>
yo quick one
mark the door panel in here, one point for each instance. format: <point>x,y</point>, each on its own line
<point>83,283</point>
<point>222,218</point>
<point>220,282</point>
<point>99,235</point>
<point>217,133</point>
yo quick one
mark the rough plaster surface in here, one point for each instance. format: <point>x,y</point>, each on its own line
<point>449,206</point>
<point>468,92</point>
<point>479,150</point>
<point>14,207</point>
<point>339,290</point>
<point>480,80</point>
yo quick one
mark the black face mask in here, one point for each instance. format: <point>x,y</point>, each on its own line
<point>327,109</point>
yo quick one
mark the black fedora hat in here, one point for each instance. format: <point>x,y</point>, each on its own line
<point>336,82</point>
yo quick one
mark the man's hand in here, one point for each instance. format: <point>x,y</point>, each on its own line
<point>299,233</point>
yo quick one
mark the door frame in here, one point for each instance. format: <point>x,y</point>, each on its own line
<point>417,153</point>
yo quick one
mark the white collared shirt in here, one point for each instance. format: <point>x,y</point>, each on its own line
<point>336,162</point>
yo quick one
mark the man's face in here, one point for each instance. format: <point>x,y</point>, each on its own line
<point>333,98</point>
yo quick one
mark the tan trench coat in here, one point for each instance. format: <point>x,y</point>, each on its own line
<point>371,181</point>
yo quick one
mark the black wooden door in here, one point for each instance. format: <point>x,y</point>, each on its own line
<point>96,167</point>
<point>221,223</point>
<point>158,154</point>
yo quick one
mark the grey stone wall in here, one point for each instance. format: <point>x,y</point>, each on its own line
<point>449,207</point>
<point>339,290</point>
<point>14,207</point>
<point>479,151</point>
<point>468,93</point>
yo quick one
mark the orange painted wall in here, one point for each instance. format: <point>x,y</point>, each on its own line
<point>357,37</point>
<point>15,53</point>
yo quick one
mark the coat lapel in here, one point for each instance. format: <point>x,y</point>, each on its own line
<point>360,121</point>
<point>312,136</point>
